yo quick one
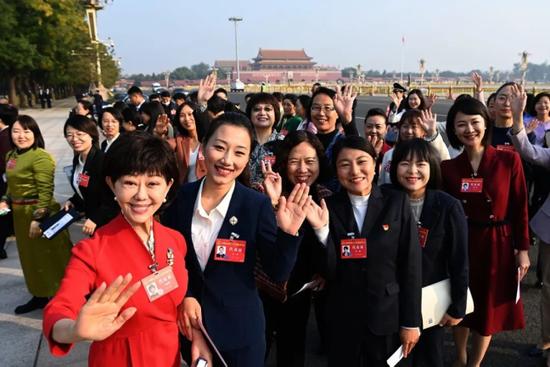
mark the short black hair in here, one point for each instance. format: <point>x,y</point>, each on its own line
<point>84,124</point>
<point>491,97</point>
<point>351,142</point>
<point>28,123</point>
<point>507,84</point>
<point>216,104</point>
<point>154,96</point>
<point>134,90</point>
<point>178,95</point>
<point>86,104</point>
<point>140,153</point>
<point>376,112</point>
<point>278,95</point>
<point>116,113</point>
<point>321,90</point>
<point>420,95</point>
<point>293,139</point>
<point>291,97</point>
<point>532,110</point>
<point>421,150</point>
<point>8,113</point>
<point>130,115</point>
<point>305,101</point>
<point>468,106</point>
<point>165,93</point>
<point>264,98</point>
<point>221,90</point>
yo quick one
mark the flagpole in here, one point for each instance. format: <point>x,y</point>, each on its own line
<point>402,56</point>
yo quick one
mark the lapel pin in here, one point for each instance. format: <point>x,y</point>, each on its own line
<point>385,227</point>
<point>233,220</point>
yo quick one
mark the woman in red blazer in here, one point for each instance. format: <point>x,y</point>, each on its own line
<point>491,186</point>
<point>130,324</point>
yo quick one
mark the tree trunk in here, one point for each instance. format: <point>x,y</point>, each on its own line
<point>12,93</point>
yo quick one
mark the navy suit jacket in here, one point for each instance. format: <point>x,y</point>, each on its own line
<point>445,254</point>
<point>231,308</point>
<point>383,291</point>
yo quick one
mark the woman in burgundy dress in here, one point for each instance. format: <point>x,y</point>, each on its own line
<point>491,186</point>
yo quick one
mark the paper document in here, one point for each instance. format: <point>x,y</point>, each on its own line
<point>311,285</point>
<point>395,357</point>
<point>436,299</point>
<point>212,345</point>
<point>56,223</point>
<point>518,291</point>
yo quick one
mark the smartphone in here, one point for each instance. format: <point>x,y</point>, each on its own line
<point>202,362</point>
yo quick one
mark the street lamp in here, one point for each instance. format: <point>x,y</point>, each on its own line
<point>235,20</point>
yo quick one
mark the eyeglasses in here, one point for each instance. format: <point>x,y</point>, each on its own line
<point>319,108</point>
<point>79,136</point>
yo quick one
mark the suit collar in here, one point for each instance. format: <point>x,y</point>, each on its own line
<point>376,204</point>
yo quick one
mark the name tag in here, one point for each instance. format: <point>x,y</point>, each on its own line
<point>353,248</point>
<point>11,163</point>
<point>230,250</point>
<point>83,180</point>
<point>471,185</point>
<point>159,284</point>
<point>271,159</point>
<point>509,148</point>
<point>422,236</point>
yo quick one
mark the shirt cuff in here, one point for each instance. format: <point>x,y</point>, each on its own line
<point>410,328</point>
<point>322,234</point>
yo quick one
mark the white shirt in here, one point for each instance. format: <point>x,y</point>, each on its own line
<point>359,204</point>
<point>192,174</point>
<point>206,226</point>
<point>109,142</point>
<point>76,177</point>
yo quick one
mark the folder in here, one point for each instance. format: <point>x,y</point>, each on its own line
<point>436,299</point>
<point>58,222</point>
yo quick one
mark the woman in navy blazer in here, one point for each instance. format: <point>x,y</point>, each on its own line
<point>222,293</point>
<point>442,234</point>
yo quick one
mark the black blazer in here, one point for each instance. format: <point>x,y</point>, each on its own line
<point>445,254</point>
<point>383,291</point>
<point>231,308</point>
<point>104,144</point>
<point>97,201</point>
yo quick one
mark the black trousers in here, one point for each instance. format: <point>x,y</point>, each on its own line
<point>249,356</point>
<point>286,324</point>
<point>6,228</point>
<point>356,346</point>
<point>428,352</point>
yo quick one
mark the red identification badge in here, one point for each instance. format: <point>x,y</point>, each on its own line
<point>271,159</point>
<point>509,148</point>
<point>471,185</point>
<point>230,250</point>
<point>83,180</point>
<point>353,248</point>
<point>422,236</point>
<point>160,283</point>
<point>12,162</point>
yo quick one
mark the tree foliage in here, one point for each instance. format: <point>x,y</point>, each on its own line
<point>46,42</point>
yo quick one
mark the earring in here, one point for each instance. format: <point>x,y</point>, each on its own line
<point>165,200</point>
<point>114,197</point>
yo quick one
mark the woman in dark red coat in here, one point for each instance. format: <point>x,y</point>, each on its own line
<point>491,186</point>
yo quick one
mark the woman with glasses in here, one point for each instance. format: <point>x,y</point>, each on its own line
<point>327,109</point>
<point>91,196</point>
<point>30,173</point>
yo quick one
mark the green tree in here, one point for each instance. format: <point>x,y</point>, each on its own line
<point>200,70</point>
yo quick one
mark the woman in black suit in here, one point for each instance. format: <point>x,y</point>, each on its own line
<point>373,262</point>
<point>91,196</point>
<point>111,126</point>
<point>442,233</point>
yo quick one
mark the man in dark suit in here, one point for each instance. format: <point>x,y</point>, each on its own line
<point>8,115</point>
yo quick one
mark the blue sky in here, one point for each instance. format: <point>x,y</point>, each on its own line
<point>160,35</point>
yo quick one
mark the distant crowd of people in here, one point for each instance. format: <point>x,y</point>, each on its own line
<point>209,223</point>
